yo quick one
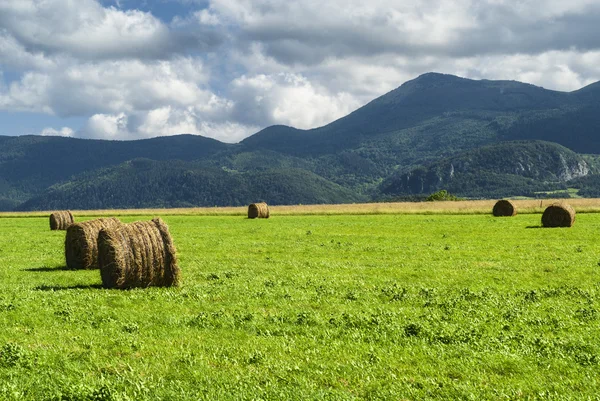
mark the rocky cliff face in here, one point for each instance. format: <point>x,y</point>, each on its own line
<point>573,170</point>
<point>506,163</point>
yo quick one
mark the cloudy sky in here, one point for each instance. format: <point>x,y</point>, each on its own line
<point>128,69</point>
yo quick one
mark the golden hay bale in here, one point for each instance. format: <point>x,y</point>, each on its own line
<point>260,210</point>
<point>139,254</point>
<point>61,220</point>
<point>504,208</point>
<point>81,249</point>
<point>558,215</point>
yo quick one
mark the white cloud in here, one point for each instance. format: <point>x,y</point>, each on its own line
<point>81,28</point>
<point>28,94</point>
<point>288,99</point>
<point>556,70</point>
<point>228,131</point>
<point>84,29</point>
<point>111,86</point>
<point>64,131</point>
<point>302,63</point>
<point>310,31</point>
<point>106,126</point>
<point>162,122</point>
<point>14,55</point>
<point>205,17</point>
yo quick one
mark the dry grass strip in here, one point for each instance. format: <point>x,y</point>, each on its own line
<point>524,206</point>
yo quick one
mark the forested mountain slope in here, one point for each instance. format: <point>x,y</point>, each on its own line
<point>144,183</point>
<point>505,169</point>
<point>412,131</point>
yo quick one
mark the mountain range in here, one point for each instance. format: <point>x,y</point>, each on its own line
<point>475,138</point>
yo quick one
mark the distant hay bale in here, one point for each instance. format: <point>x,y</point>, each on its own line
<point>504,208</point>
<point>260,210</point>
<point>139,254</point>
<point>61,220</point>
<point>81,243</point>
<point>558,215</point>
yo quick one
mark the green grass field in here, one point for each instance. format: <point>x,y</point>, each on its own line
<point>312,307</point>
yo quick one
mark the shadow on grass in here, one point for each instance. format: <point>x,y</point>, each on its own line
<point>48,269</point>
<point>534,227</point>
<point>68,287</point>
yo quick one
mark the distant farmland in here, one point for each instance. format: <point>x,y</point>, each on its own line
<point>373,301</point>
<point>583,205</point>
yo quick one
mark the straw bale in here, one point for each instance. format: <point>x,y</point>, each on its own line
<point>139,254</point>
<point>504,208</point>
<point>61,220</point>
<point>81,249</point>
<point>258,210</point>
<point>558,215</point>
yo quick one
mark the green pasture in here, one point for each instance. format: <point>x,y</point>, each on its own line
<point>380,307</point>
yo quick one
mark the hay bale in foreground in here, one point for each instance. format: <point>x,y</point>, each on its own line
<point>260,210</point>
<point>558,215</point>
<point>81,243</point>
<point>139,254</point>
<point>504,208</point>
<point>61,220</point>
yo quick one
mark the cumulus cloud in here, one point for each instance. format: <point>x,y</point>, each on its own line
<point>310,31</point>
<point>205,17</point>
<point>106,126</point>
<point>556,70</point>
<point>14,55</point>
<point>232,67</point>
<point>162,122</point>
<point>64,131</point>
<point>289,99</point>
<point>29,94</point>
<point>112,86</point>
<point>368,48</point>
<point>85,29</point>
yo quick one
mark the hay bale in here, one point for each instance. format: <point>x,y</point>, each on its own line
<point>260,210</point>
<point>504,208</point>
<point>558,215</point>
<point>81,243</point>
<point>61,220</point>
<point>139,254</point>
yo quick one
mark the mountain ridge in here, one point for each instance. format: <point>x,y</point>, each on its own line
<point>430,118</point>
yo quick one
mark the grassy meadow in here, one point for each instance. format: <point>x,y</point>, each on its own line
<point>312,307</point>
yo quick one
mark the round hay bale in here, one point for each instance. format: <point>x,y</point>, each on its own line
<point>81,243</point>
<point>139,254</point>
<point>61,220</point>
<point>258,210</point>
<point>558,215</point>
<point>504,208</point>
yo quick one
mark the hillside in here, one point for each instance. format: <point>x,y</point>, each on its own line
<point>144,183</point>
<point>435,116</point>
<point>30,164</point>
<point>505,169</point>
<point>445,106</point>
<point>413,129</point>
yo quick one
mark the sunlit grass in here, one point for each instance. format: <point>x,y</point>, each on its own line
<point>399,306</point>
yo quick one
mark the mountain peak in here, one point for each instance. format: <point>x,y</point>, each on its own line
<point>435,79</point>
<point>437,76</point>
<point>591,88</point>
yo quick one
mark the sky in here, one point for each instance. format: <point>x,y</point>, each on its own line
<point>225,69</point>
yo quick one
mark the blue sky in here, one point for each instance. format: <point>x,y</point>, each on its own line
<point>130,69</point>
